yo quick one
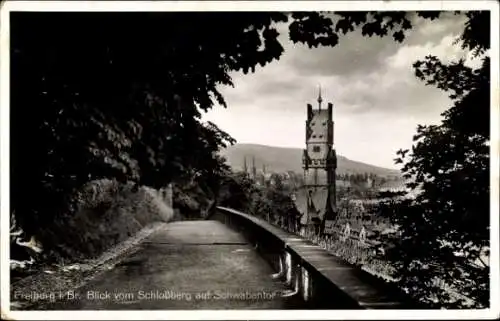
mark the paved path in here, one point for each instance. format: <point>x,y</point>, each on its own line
<point>189,265</point>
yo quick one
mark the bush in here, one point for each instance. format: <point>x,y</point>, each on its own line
<point>107,212</point>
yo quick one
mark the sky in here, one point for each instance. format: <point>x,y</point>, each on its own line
<point>377,99</point>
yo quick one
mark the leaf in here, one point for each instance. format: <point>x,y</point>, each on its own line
<point>399,36</point>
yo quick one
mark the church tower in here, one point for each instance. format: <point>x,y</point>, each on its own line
<point>320,163</point>
<point>245,167</point>
<point>254,169</point>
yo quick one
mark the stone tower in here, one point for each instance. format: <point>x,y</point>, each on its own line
<point>319,162</point>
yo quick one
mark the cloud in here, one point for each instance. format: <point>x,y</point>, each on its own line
<point>378,100</point>
<point>445,50</point>
<point>427,31</point>
<point>387,86</point>
<point>356,54</point>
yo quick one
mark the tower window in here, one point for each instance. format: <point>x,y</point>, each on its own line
<point>324,123</point>
<point>312,124</point>
<point>320,136</point>
<point>314,136</point>
<point>316,149</point>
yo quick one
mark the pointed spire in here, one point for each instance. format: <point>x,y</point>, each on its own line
<point>245,169</point>
<point>254,170</point>
<point>320,99</point>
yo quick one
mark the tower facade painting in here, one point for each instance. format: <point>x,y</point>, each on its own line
<point>319,162</point>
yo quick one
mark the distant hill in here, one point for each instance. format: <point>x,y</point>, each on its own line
<point>281,159</point>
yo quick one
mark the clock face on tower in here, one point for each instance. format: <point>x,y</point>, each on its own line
<point>318,154</point>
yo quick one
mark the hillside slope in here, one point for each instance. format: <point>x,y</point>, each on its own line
<point>281,159</point>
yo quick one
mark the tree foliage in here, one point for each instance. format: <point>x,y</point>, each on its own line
<point>445,228</point>
<point>271,202</point>
<point>120,95</point>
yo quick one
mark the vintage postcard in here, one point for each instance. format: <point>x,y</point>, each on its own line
<point>249,160</point>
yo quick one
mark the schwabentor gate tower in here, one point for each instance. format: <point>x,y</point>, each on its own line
<point>319,162</point>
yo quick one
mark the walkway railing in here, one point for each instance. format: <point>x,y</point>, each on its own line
<point>364,253</point>
<point>323,280</point>
<point>361,252</point>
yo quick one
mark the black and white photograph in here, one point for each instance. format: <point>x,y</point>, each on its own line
<point>249,159</point>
